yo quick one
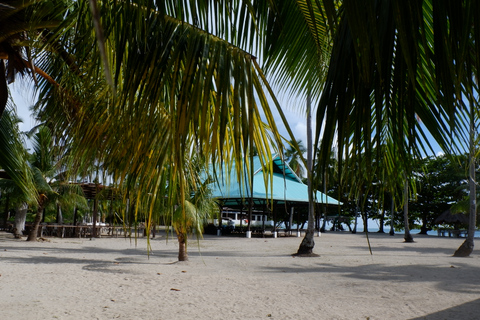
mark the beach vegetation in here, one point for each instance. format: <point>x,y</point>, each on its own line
<point>397,70</point>
<point>52,189</point>
<point>17,186</point>
<point>140,84</point>
<point>152,84</point>
<point>438,180</point>
<point>294,157</point>
<point>13,160</point>
<point>190,216</point>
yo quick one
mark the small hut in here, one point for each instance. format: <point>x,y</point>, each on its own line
<point>448,217</point>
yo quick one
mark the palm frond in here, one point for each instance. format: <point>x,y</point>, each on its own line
<point>13,159</point>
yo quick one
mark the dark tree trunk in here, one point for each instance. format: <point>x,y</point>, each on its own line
<point>424,228</point>
<point>465,249</point>
<point>382,221</point>
<point>19,223</point>
<point>182,247</point>
<point>95,215</point>
<point>32,236</point>
<point>349,227</point>
<point>365,221</point>
<point>307,245</point>
<point>408,236</point>
<point>392,216</point>
<point>6,215</point>
<point>75,218</point>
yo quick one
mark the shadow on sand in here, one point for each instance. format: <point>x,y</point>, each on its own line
<point>467,310</point>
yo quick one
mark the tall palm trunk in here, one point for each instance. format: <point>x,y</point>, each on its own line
<point>306,247</point>
<point>392,216</point>
<point>467,246</point>
<point>20,217</point>
<point>32,236</point>
<point>59,214</point>
<point>182,247</point>
<point>408,236</point>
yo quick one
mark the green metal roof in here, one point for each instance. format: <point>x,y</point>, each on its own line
<point>280,187</point>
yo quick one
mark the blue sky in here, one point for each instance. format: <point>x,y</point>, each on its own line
<point>23,96</point>
<point>293,108</point>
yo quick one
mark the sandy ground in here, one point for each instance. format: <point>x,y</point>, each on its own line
<point>238,278</point>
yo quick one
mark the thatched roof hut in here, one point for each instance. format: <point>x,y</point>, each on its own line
<point>451,218</point>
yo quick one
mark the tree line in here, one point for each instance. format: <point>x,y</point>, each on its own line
<point>141,86</point>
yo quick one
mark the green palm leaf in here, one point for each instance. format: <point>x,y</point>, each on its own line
<point>13,159</point>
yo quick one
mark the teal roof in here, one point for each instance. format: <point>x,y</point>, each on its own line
<point>280,187</point>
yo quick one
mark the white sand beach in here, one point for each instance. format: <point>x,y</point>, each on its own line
<point>238,278</point>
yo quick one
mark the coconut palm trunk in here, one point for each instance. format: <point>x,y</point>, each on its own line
<point>182,247</point>
<point>59,214</point>
<point>408,236</point>
<point>6,213</point>
<point>20,217</point>
<point>306,247</point>
<point>32,236</point>
<point>467,246</point>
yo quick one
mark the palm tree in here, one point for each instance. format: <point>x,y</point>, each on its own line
<point>389,64</point>
<point>13,159</point>
<point>295,157</point>
<point>48,184</point>
<point>43,170</point>
<point>392,62</point>
<point>175,86</point>
<point>191,216</point>
<point>15,198</point>
<point>20,23</point>
<point>308,243</point>
<point>20,186</point>
<point>467,246</point>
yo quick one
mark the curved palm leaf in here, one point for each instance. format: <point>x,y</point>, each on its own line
<point>14,156</point>
<point>22,22</point>
<point>177,89</point>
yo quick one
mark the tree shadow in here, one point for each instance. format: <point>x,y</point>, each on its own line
<point>467,310</point>
<point>410,247</point>
<point>449,278</point>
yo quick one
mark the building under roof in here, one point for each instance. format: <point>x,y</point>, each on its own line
<point>278,196</point>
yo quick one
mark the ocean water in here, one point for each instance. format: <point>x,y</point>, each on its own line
<point>413,231</point>
<point>374,227</point>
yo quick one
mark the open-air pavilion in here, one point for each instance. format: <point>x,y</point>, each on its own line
<point>281,197</point>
